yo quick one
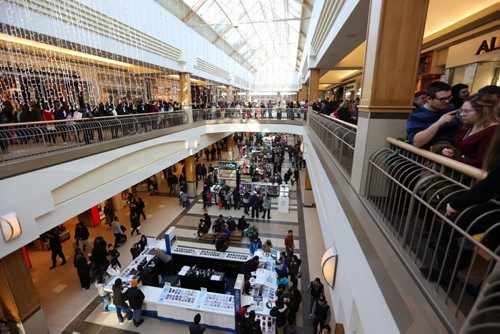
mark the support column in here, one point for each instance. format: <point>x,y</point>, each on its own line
<point>305,92</point>
<point>190,165</point>
<point>312,96</point>
<point>389,75</point>
<point>185,83</point>
<point>229,94</point>
<point>230,148</point>
<point>19,298</point>
<point>308,193</point>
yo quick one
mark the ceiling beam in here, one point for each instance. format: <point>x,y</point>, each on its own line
<point>194,10</point>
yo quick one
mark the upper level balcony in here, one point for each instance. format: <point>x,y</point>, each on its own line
<point>435,272</point>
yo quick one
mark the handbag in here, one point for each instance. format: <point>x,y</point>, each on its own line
<point>219,205</point>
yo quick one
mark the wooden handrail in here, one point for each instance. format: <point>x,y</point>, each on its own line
<point>475,173</point>
<point>354,127</point>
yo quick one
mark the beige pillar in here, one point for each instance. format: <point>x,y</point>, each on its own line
<point>308,193</point>
<point>312,95</point>
<point>305,92</point>
<point>229,94</point>
<point>190,165</point>
<point>18,296</point>
<point>389,76</point>
<point>185,83</point>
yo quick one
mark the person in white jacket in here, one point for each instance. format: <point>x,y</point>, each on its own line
<point>106,298</point>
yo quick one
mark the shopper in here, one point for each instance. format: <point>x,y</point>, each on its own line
<point>140,207</point>
<point>250,265</point>
<point>255,244</point>
<point>268,245</point>
<point>82,268</point>
<point>56,248</point>
<point>143,242</point>
<point>117,231</point>
<point>294,267</point>
<point>280,311</point>
<point>252,326</point>
<point>135,222</point>
<point>106,298</point>
<point>113,254</point>
<point>321,314</point>
<point>290,246</point>
<point>135,298</point>
<point>196,327</point>
<point>236,199</point>
<point>120,303</point>
<point>135,251</point>
<point>81,235</point>
<point>293,307</point>
<point>242,224</point>
<point>266,205</point>
<point>254,203</point>
<point>316,290</point>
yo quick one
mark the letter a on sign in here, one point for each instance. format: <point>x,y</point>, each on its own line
<point>483,47</point>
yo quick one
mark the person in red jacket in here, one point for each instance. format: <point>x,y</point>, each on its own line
<point>289,244</point>
<point>48,115</point>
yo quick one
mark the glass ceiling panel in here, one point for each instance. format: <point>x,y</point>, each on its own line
<point>261,31</point>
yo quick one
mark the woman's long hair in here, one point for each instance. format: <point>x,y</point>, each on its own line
<point>485,108</point>
<point>492,158</point>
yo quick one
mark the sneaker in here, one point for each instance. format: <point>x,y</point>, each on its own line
<point>139,323</point>
<point>129,320</point>
<point>52,267</point>
<point>120,323</point>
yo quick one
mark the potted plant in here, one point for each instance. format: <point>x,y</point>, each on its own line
<point>252,232</point>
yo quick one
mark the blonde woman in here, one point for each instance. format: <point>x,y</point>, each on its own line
<point>480,120</point>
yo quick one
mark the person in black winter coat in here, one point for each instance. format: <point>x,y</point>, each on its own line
<point>135,298</point>
<point>280,311</point>
<point>254,203</point>
<point>82,268</point>
<point>321,314</point>
<point>252,326</point>
<point>119,301</point>
<point>81,235</point>
<point>316,289</point>
<point>56,248</point>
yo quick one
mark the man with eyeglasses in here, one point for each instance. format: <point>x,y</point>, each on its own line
<point>435,121</point>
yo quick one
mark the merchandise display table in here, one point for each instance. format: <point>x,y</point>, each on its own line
<point>203,278</point>
<point>179,304</point>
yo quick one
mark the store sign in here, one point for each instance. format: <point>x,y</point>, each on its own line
<point>482,48</point>
<point>488,47</point>
<point>228,165</point>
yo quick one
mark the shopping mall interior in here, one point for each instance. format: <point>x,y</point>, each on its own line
<point>219,157</point>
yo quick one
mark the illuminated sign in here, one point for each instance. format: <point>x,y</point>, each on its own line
<point>228,165</point>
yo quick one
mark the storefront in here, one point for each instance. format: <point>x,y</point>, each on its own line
<point>475,62</point>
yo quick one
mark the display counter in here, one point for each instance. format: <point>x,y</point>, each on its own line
<point>272,189</point>
<point>263,293</point>
<point>227,262</point>
<point>175,303</point>
<point>196,279</point>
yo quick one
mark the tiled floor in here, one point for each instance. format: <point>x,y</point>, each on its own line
<point>68,309</point>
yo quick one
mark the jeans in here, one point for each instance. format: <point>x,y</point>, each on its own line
<point>106,300</point>
<point>137,315</point>
<point>126,309</point>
